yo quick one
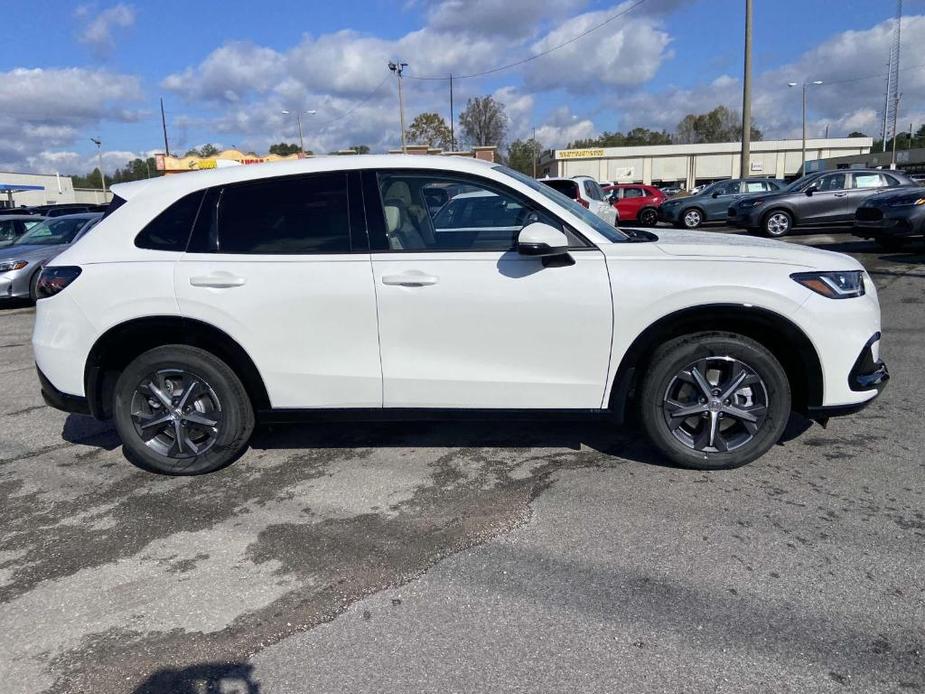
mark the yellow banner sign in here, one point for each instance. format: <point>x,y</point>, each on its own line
<point>580,153</point>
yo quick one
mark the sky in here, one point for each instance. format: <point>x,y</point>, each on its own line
<point>227,68</point>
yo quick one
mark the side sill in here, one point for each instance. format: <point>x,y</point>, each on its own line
<point>422,414</point>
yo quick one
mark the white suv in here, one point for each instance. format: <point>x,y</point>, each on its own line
<point>408,286</point>
<point>588,193</point>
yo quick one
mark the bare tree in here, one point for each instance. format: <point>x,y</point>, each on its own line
<point>483,122</point>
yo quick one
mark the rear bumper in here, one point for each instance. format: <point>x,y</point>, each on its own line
<point>61,401</point>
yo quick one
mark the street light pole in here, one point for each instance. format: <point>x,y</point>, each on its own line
<point>398,68</point>
<point>805,85</point>
<point>298,115</point>
<point>99,153</point>
<point>744,164</point>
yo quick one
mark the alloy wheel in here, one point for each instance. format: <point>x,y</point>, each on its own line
<point>778,224</point>
<point>715,405</point>
<point>176,413</point>
<point>692,219</point>
<point>648,218</point>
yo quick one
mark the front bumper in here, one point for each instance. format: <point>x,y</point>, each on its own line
<point>868,373</point>
<point>897,223</point>
<point>15,283</point>
<point>61,401</point>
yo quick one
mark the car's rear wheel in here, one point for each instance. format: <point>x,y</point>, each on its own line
<point>648,217</point>
<point>692,218</point>
<point>777,223</point>
<point>712,401</point>
<point>181,411</point>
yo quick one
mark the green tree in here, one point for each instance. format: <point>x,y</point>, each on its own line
<point>635,137</point>
<point>284,149</point>
<point>719,125</point>
<point>208,150</point>
<point>856,133</point>
<point>430,129</point>
<point>192,152</point>
<point>483,122</point>
<point>521,155</point>
<point>360,149</point>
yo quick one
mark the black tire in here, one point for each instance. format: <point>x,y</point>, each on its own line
<point>777,223</point>
<point>220,398</point>
<point>691,218</point>
<point>34,286</point>
<point>648,217</point>
<point>672,364</point>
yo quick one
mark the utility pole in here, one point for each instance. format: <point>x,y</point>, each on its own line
<point>99,152</point>
<point>895,116</point>
<point>452,117</point>
<point>398,68</point>
<point>744,164</point>
<point>805,85</point>
<point>534,152</point>
<point>164,126</point>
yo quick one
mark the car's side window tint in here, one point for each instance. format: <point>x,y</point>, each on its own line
<point>472,218</point>
<point>297,215</point>
<point>755,186</point>
<point>832,182</point>
<point>170,230</point>
<point>890,180</point>
<point>634,193</point>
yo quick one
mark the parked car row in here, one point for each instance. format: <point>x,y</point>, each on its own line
<point>56,209</point>
<point>712,202</point>
<point>21,262</point>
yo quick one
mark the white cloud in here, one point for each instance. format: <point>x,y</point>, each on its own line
<point>49,109</point>
<point>512,18</point>
<point>627,52</point>
<point>98,31</point>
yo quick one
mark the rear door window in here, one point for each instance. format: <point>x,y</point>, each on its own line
<point>634,193</point>
<point>569,188</point>
<point>868,180</point>
<point>297,215</point>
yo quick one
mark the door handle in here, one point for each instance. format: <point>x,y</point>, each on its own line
<point>410,279</point>
<point>217,280</point>
<point>841,194</point>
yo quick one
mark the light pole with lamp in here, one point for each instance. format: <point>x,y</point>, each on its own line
<point>99,152</point>
<point>805,85</point>
<point>298,115</point>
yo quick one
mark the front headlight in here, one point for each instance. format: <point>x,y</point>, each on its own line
<point>8,265</point>
<point>834,285</point>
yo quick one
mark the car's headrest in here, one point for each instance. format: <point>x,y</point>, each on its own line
<point>392,218</point>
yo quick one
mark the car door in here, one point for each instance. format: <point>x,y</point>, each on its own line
<point>716,204</point>
<point>829,202</point>
<point>631,202</point>
<point>467,322</point>
<point>276,265</point>
<point>865,184</point>
<point>600,206</point>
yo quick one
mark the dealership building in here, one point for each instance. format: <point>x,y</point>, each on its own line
<point>691,165</point>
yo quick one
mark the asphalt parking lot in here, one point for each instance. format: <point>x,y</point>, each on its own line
<point>471,557</point>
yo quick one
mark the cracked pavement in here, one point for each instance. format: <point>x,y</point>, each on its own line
<point>492,556</point>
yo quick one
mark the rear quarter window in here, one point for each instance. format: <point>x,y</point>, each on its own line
<point>170,230</point>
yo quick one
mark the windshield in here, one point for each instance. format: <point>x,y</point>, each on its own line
<point>592,220</point>
<point>52,232</point>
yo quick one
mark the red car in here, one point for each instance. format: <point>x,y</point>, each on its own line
<point>636,202</point>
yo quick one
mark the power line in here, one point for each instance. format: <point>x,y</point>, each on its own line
<point>531,58</point>
<point>357,105</point>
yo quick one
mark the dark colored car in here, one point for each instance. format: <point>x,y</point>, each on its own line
<point>891,218</point>
<point>63,208</point>
<point>636,202</point>
<point>712,203</point>
<point>817,199</point>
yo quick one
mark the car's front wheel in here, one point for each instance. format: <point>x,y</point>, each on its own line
<point>181,410</point>
<point>713,401</point>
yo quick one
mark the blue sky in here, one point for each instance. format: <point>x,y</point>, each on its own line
<point>226,69</point>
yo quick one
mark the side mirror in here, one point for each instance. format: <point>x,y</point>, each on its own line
<point>811,190</point>
<point>541,240</point>
<point>715,193</point>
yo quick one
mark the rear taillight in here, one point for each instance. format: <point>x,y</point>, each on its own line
<point>55,279</point>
